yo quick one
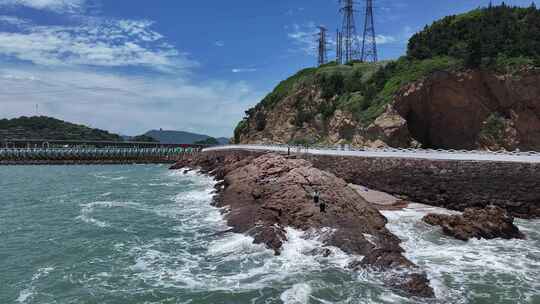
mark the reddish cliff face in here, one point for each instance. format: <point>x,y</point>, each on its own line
<point>463,110</point>
<point>474,109</point>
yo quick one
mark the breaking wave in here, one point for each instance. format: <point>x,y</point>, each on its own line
<point>495,271</point>
<point>154,237</point>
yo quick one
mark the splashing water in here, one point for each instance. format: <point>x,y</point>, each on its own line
<point>142,234</point>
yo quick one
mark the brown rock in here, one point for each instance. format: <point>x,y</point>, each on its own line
<point>267,193</point>
<point>450,110</point>
<point>489,223</point>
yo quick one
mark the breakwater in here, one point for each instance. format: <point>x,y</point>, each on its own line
<point>78,156</point>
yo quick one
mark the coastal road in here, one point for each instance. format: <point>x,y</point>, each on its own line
<point>499,156</point>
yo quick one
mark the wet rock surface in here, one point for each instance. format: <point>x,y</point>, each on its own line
<point>265,193</point>
<point>488,223</point>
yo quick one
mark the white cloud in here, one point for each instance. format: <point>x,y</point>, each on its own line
<point>219,43</point>
<point>52,5</point>
<point>408,32</point>
<point>385,39</point>
<point>244,70</point>
<point>14,21</point>
<point>75,72</point>
<point>303,36</point>
<point>125,104</point>
<point>96,43</point>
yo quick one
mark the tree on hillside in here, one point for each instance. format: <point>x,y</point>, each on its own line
<point>481,34</point>
<point>211,141</point>
<point>144,138</point>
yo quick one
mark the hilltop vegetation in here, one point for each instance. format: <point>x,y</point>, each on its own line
<point>492,36</point>
<point>182,137</point>
<point>42,127</point>
<point>211,141</point>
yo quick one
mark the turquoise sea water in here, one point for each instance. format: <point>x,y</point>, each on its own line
<point>143,234</point>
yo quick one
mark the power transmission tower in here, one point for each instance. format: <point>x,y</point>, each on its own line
<point>323,50</point>
<point>369,43</point>
<point>339,47</point>
<point>350,38</point>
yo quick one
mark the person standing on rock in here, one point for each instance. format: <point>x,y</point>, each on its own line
<point>322,206</point>
<point>317,201</point>
<point>316,197</point>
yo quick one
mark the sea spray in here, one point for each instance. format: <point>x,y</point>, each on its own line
<point>165,243</point>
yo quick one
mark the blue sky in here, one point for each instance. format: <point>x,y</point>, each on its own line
<point>132,65</point>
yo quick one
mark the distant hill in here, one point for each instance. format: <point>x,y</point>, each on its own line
<point>181,137</point>
<point>42,127</point>
<point>223,140</point>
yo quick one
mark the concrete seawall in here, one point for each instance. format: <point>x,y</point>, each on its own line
<point>450,184</point>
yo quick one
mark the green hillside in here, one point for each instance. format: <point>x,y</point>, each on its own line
<point>361,88</point>
<point>495,38</point>
<point>482,37</point>
<point>50,128</point>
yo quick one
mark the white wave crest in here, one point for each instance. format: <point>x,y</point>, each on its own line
<point>458,270</point>
<point>29,292</point>
<point>88,209</point>
<point>298,294</point>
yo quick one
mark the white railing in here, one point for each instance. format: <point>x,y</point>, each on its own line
<point>478,155</point>
<point>14,154</point>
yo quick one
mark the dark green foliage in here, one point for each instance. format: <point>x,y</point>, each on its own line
<point>301,142</point>
<point>143,138</point>
<point>285,87</point>
<point>480,36</point>
<point>240,129</point>
<point>260,121</point>
<point>493,127</point>
<point>374,94</point>
<point>41,127</point>
<point>331,84</point>
<point>327,109</point>
<point>210,141</point>
<point>303,116</point>
<point>175,137</point>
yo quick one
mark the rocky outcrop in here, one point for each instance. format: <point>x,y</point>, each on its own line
<point>296,118</point>
<point>265,193</point>
<point>450,184</point>
<point>489,223</point>
<point>473,109</point>
<point>283,123</point>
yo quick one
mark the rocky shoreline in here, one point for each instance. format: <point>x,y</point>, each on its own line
<point>265,193</point>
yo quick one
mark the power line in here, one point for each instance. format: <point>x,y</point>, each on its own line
<point>348,31</point>
<point>322,49</point>
<point>369,42</point>
<point>339,47</point>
